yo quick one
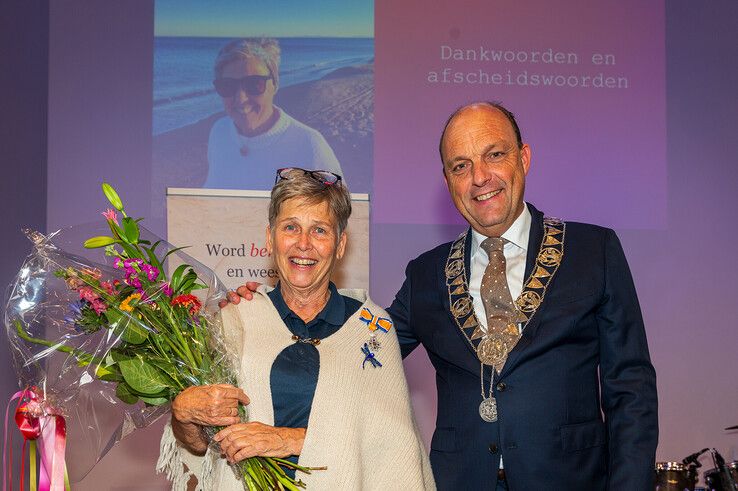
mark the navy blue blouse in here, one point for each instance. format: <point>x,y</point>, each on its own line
<point>294,373</point>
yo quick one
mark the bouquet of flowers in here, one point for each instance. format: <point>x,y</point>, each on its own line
<point>125,337</point>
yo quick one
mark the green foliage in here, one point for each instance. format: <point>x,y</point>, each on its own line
<point>130,228</point>
<point>109,373</point>
<point>112,196</point>
<point>124,393</point>
<point>89,320</point>
<point>100,241</point>
<point>128,328</point>
<point>141,376</point>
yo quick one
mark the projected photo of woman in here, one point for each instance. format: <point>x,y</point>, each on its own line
<point>255,137</point>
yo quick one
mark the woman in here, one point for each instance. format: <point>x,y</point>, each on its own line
<point>322,368</point>
<point>256,137</point>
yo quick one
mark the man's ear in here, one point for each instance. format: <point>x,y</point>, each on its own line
<point>525,157</point>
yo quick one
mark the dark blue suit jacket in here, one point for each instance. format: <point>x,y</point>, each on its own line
<point>577,397</point>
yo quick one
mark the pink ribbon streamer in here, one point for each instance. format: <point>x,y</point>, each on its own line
<point>48,426</point>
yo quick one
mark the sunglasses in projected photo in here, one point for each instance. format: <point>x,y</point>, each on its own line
<point>251,84</point>
<point>322,176</point>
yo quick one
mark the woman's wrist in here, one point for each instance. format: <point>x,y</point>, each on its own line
<point>190,435</point>
<point>294,439</point>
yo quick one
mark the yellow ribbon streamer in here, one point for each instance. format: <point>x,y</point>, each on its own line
<point>32,484</point>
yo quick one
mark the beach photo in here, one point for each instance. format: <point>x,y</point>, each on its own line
<point>241,89</point>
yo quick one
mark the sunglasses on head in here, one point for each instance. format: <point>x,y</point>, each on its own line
<point>323,176</point>
<point>251,84</point>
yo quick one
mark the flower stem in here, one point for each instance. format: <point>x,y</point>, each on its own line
<point>83,357</point>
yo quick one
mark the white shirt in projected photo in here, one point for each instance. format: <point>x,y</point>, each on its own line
<point>236,161</point>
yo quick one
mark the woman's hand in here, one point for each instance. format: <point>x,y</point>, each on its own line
<point>209,405</point>
<point>244,291</point>
<point>245,440</point>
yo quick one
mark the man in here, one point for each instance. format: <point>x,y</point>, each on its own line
<point>575,396</point>
<point>555,387</point>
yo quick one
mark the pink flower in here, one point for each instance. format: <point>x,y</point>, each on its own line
<point>151,272</point>
<point>86,293</point>
<point>108,286</point>
<point>98,306</point>
<point>110,215</point>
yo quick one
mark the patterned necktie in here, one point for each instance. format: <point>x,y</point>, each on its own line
<point>502,314</point>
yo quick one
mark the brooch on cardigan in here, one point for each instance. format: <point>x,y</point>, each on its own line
<point>374,323</point>
<point>369,357</point>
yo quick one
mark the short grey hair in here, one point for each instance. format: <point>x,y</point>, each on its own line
<point>313,192</point>
<point>265,49</point>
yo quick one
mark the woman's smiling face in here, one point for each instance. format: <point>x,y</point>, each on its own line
<point>305,244</point>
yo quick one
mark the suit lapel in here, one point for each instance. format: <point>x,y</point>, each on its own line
<point>443,290</point>
<point>535,236</point>
<point>534,243</point>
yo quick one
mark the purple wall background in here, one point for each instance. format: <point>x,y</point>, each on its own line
<point>622,184</point>
<point>94,123</point>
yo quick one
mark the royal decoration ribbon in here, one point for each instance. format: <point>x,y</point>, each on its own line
<point>375,322</point>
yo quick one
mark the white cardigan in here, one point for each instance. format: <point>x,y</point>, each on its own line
<point>361,424</point>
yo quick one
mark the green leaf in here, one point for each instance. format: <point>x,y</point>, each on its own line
<point>173,251</point>
<point>117,231</point>
<point>131,330</point>
<point>109,373</point>
<point>130,227</point>
<point>114,316</point>
<point>130,250</point>
<point>166,367</point>
<point>99,241</point>
<point>142,376</point>
<point>187,283</point>
<point>123,392</point>
<point>112,196</point>
<point>176,276</point>
<point>154,401</point>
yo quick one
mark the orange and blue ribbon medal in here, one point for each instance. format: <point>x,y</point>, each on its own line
<point>375,322</point>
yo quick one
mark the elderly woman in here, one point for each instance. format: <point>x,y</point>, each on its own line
<point>321,367</point>
<point>255,138</point>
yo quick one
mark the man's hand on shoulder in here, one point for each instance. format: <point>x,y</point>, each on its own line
<point>244,291</point>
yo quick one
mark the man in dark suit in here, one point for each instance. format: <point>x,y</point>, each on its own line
<point>554,391</point>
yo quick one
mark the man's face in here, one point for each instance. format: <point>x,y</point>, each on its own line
<point>484,168</point>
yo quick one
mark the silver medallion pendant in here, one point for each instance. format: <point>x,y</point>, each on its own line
<point>488,409</point>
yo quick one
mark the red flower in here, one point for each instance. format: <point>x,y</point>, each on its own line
<point>190,302</point>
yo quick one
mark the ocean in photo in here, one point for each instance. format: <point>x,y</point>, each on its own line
<point>183,72</point>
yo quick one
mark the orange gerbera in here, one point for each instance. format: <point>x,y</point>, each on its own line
<point>126,304</point>
<point>190,302</point>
